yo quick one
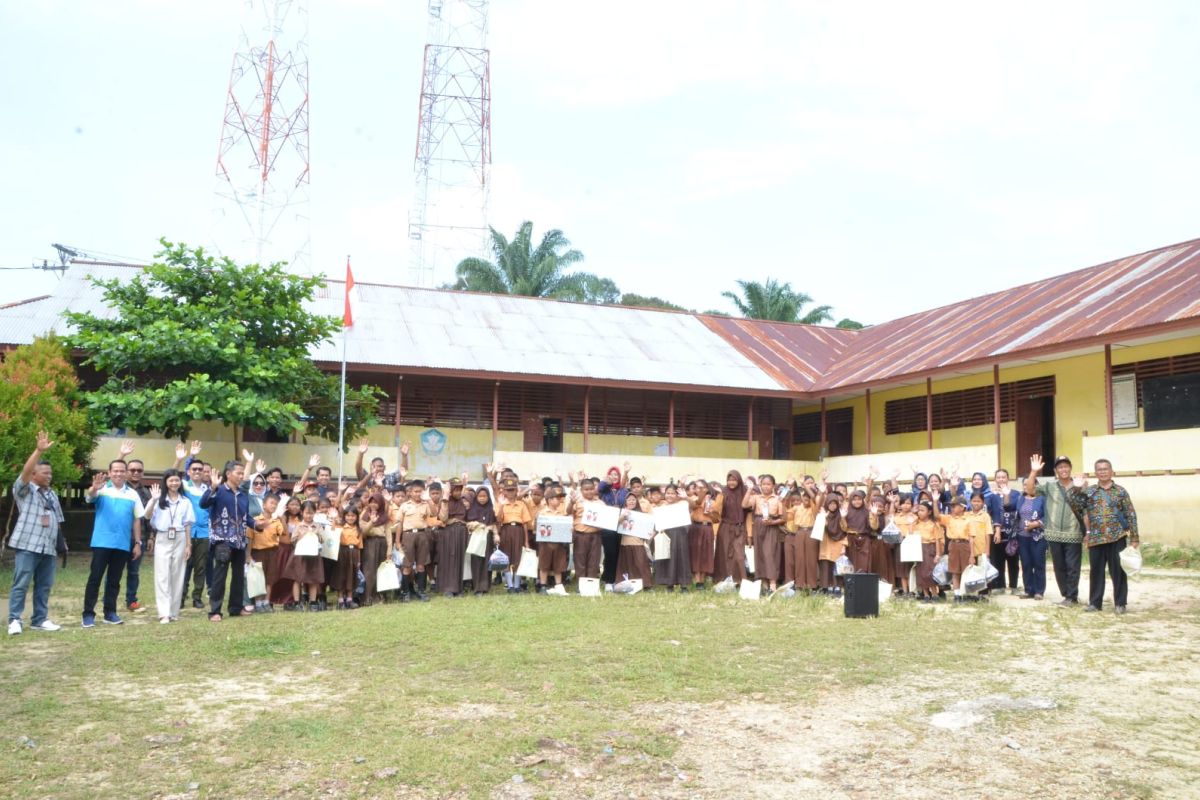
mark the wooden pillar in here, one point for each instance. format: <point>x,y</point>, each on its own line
<point>750,431</point>
<point>495,416</point>
<point>929,413</point>
<point>824,432</point>
<point>671,425</point>
<point>996,411</point>
<point>396,421</point>
<point>1108,398</point>
<point>868,421</point>
<point>587,415</point>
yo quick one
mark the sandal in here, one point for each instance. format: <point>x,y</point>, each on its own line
<point>214,617</point>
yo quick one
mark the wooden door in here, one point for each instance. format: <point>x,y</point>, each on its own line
<point>531,427</point>
<point>1035,433</point>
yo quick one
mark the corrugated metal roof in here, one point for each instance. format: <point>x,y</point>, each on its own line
<point>401,327</point>
<point>434,330</point>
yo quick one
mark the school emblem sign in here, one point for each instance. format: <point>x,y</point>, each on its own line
<point>433,441</point>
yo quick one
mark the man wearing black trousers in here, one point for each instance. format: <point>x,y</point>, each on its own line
<point>1063,526</point>
<point>1112,521</point>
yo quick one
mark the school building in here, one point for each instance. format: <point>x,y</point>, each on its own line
<point>1100,362</point>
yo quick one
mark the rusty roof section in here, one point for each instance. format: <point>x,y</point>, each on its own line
<point>1157,289</point>
<point>793,354</point>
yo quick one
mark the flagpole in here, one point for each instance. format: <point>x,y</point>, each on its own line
<point>342,403</point>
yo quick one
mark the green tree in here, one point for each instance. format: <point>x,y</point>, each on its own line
<point>39,390</point>
<point>648,301</point>
<point>777,302</point>
<point>850,325</point>
<point>520,268</point>
<point>194,337</point>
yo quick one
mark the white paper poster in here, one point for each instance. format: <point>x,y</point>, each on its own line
<point>601,515</point>
<point>674,515</point>
<point>635,523</point>
<point>553,528</point>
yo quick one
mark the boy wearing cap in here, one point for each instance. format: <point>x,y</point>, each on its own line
<point>1063,526</point>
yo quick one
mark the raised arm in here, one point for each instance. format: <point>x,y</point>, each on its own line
<point>363,444</point>
<point>43,444</point>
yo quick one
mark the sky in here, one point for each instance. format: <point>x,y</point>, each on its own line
<point>884,158</point>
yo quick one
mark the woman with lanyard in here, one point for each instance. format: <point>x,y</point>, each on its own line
<point>171,518</point>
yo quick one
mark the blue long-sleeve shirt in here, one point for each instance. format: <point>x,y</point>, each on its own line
<point>228,515</point>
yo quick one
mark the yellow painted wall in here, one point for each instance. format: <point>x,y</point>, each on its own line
<point>655,469</point>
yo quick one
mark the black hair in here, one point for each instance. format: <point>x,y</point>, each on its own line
<point>376,460</point>
<point>586,482</point>
<point>416,484</point>
<point>637,481</point>
<point>273,471</point>
<point>117,461</point>
<point>230,466</point>
<point>977,493</point>
<point>435,487</point>
<point>767,477</point>
<point>171,473</point>
<point>306,505</point>
<point>135,461</point>
<point>326,469</point>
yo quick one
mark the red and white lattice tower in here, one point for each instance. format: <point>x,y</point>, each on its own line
<point>262,164</point>
<point>448,218</point>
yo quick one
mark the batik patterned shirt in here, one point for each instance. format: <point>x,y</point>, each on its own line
<point>1109,512</point>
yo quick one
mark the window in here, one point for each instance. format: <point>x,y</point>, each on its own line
<point>963,408</point>
<point>1158,368</point>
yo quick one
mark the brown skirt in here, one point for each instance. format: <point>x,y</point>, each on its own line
<point>305,569</point>
<point>766,550</point>
<point>929,559</point>
<point>634,562</point>
<point>700,548</point>
<point>481,576</point>
<point>374,553</point>
<point>676,570</point>
<point>859,551</point>
<point>452,543</point>
<point>279,590</point>
<point>959,551</point>
<point>883,560</point>
<point>512,541</point>
<point>345,577</point>
<point>552,557</point>
<point>730,557</point>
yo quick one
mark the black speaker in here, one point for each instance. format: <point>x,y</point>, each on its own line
<point>862,594</point>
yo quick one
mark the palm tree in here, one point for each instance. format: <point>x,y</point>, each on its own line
<point>522,269</point>
<point>777,302</point>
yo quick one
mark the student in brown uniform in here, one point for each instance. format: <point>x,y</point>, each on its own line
<point>675,571</point>
<point>282,591</point>
<point>883,557</point>
<point>933,536</point>
<point>904,519</point>
<point>858,530</point>
<point>958,543</point>
<point>515,521</point>
<point>552,556</point>
<point>585,538</point>
<point>452,545</point>
<point>767,532</point>
<point>348,560</point>
<point>482,512</point>
<point>731,505</point>
<point>436,518</point>
<point>801,552</point>
<point>373,525</point>
<point>701,537</point>
<point>833,544</point>
<point>632,562</point>
<point>982,529</point>
<point>412,536</point>
<point>306,571</point>
<point>265,548</point>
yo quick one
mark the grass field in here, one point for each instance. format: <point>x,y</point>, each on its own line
<point>654,695</point>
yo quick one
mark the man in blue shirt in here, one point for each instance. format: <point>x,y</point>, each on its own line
<point>116,533</point>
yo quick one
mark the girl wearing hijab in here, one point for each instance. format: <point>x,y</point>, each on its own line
<point>613,492</point>
<point>833,546</point>
<point>482,513</point>
<point>701,539</point>
<point>730,507</point>
<point>857,527</point>
<point>920,483</point>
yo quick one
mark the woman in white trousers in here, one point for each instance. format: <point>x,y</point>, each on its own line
<point>171,518</point>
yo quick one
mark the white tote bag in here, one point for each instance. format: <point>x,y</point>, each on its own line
<point>750,590</point>
<point>528,568</point>
<point>910,548</point>
<point>256,580</point>
<point>589,587</point>
<point>478,544</point>
<point>387,577</point>
<point>818,531</point>
<point>662,547</point>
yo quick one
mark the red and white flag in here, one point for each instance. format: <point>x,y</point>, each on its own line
<point>347,317</point>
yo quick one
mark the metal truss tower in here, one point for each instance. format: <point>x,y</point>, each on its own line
<point>448,218</point>
<point>262,163</point>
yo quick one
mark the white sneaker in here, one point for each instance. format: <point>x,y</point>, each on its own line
<point>608,587</point>
<point>47,626</point>
<point>14,627</point>
<point>164,620</point>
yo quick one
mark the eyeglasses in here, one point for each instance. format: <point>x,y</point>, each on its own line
<point>136,469</point>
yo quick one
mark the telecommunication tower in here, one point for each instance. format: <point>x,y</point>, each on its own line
<point>448,218</point>
<point>262,161</point>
